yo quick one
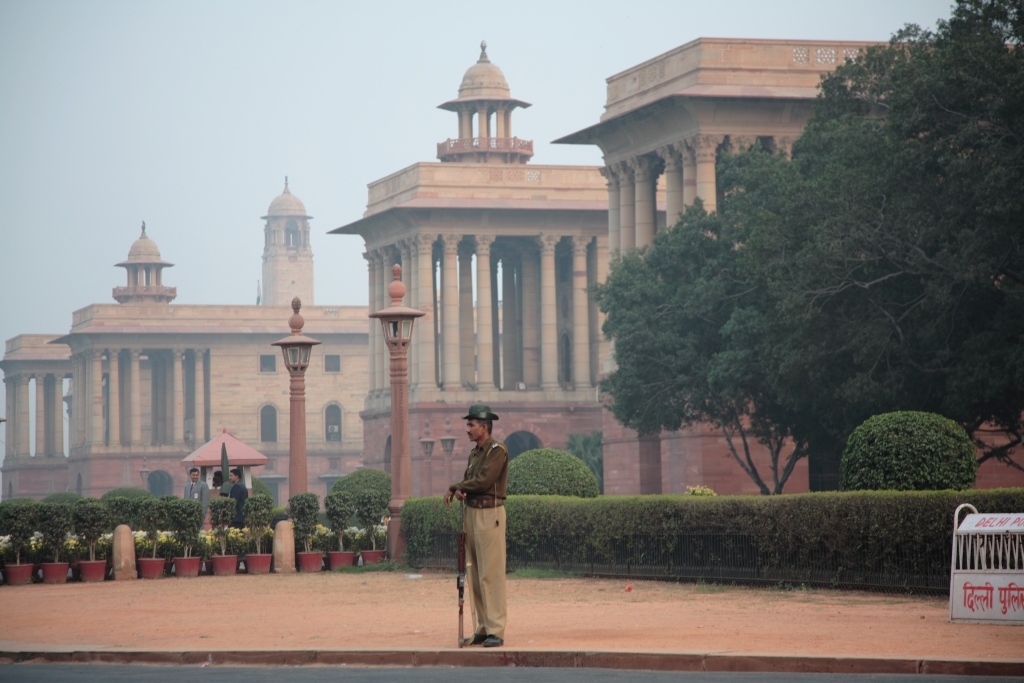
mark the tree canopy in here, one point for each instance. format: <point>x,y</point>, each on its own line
<point>879,270</point>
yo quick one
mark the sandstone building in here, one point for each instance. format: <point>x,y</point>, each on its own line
<point>143,382</point>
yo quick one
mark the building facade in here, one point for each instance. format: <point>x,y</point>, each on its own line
<point>139,384</point>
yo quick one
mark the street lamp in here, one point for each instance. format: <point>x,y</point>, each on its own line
<point>448,446</point>
<point>397,322</point>
<point>296,350</point>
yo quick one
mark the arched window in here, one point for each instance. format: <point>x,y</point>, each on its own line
<point>268,423</point>
<point>520,442</point>
<point>291,234</point>
<point>332,422</point>
<point>160,483</point>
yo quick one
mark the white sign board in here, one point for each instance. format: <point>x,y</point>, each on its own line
<point>986,573</point>
<point>987,598</point>
<point>991,523</point>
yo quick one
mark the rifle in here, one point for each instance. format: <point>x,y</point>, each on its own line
<point>460,580</point>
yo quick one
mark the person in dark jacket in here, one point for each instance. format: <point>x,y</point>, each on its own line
<point>239,493</point>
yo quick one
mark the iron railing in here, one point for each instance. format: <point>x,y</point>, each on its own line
<point>718,558</point>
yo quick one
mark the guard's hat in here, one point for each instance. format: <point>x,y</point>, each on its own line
<point>479,411</point>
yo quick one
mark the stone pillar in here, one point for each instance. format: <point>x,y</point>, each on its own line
<point>123,553</point>
<point>627,209</point>
<point>483,123</point>
<point>705,149</point>
<point>467,365</point>
<point>499,123</point>
<point>200,397</point>
<point>548,311</point>
<point>644,178</point>
<point>531,318</point>
<point>509,321</point>
<point>284,545</point>
<point>96,397</point>
<point>450,313</point>
<point>612,178</point>
<point>40,436</point>
<point>410,263</point>
<point>689,174</point>
<point>22,433</point>
<point>135,400</point>
<point>58,415</point>
<point>12,406</point>
<point>114,397</point>
<point>175,377</point>
<point>580,317</point>
<point>484,312</point>
<point>383,272</point>
<point>424,328</point>
<point>371,268</point>
<point>784,146</point>
<point>673,184</point>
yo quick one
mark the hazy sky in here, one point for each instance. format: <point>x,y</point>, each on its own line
<point>189,114</point>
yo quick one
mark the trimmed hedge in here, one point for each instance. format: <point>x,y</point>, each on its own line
<point>130,492</point>
<point>64,497</point>
<point>908,451</point>
<point>859,531</point>
<point>550,472</point>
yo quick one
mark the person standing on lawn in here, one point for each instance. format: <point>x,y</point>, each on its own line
<point>483,490</point>
<point>239,493</point>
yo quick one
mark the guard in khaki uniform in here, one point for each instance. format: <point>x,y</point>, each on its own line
<point>483,490</point>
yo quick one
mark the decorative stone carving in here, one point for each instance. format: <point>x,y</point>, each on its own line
<point>705,147</point>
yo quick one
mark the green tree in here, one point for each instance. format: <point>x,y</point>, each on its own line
<point>588,448</point>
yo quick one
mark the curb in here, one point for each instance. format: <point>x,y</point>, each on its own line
<point>639,661</point>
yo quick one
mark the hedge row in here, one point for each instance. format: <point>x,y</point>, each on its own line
<point>859,531</point>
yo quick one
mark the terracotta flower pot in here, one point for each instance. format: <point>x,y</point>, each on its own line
<point>337,558</point>
<point>187,566</point>
<point>150,567</point>
<point>225,565</point>
<point>310,562</point>
<point>92,571</point>
<point>55,572</point>
<point>258,563</point>
<point>372,556</point>
<point>18,574</point>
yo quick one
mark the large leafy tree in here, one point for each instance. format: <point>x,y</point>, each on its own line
<point>880,270</point>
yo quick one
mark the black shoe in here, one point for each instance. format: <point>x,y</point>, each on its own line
<point>493,641</point>
<point>477,639</point>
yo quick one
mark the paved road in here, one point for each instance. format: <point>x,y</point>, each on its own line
<point>70,673</point>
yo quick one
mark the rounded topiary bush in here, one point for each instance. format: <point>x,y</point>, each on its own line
<point>130,492</point>
<point>64,497</point>
<point>550,472</point>
<point>359,481</point>
<point>908,451</point>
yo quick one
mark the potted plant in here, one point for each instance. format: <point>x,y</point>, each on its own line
<point>55,521</point>
<point>305,509</point>
<point>340,509</point>
<point>185,517</point>
<point>222,511</point>
<point>151,515</point>
<point>91,520</point>
<point>371,508</point>
<point>18,522</point>
<point>258,509</point>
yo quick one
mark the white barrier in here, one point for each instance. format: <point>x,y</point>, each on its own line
<point>986,572</point>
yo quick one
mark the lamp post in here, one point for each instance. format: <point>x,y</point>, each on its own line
<point>296,350</point>
<point>448,446</point>
<point>397,322</point>
<point>426,468</point>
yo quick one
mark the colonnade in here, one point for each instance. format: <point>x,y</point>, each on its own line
<point>688,169</point>
<point>508,343</point>
<point>48,438</point>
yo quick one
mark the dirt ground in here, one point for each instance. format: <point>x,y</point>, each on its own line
<point>394,611</point>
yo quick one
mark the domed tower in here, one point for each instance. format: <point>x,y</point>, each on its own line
<point>145,277</point>
<point>287,256</point>
<point>485,106</point>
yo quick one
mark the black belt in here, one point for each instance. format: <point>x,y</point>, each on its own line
<point>484,502</point>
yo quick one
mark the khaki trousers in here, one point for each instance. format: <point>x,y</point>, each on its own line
<point>485,569</point>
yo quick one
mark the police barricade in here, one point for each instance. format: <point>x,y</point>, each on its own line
<point>986,573</point>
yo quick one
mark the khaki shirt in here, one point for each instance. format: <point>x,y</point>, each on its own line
<point>487,471</point>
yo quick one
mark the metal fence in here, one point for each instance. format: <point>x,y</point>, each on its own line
<point>719,558</point>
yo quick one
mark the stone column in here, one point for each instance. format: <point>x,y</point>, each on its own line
<point>114,397</point>
<point>96,396</point>
<point>58,415</point>
<point>499,123</point>
<point>580,318</point>
<point>383,278</point>
<point>531,315</point>
<point>371,269</point>
<point>12,406</point>
<point>548,311</point>
<point>425,369</point>
<point>176,377</point>
<point>612,179</point>
<point>467,365</point>
<point>705,148</point>
<point>40,436</point>
<point>673,184</point>
<point>450,313</point>
<point>483,123</point>
<point>410,263</point>
<point>484,311</point>
<point>627,209</point>
<point>784,145</point>
<point>689,174</point>
<point>644,177</point>
<point>509,321</point>
<point>22,433</point>
<point>135,400</point>
<point>200,397</point>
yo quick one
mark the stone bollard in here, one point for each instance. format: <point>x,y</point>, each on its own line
<point>124,554</point>
<point>284,547</point>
